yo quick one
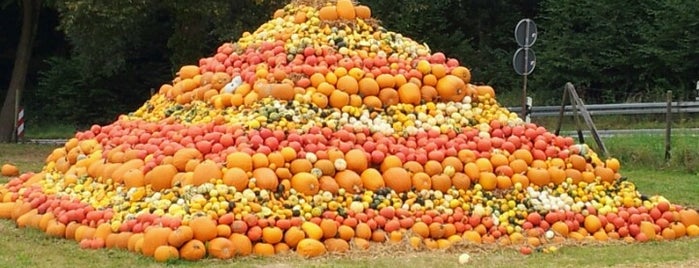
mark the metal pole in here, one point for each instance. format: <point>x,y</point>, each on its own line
<point>524,98</point>
<point>526,71</point>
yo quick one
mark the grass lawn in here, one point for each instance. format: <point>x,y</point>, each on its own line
<point>641,162</point>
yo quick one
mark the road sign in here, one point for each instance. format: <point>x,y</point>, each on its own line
<point>525,33</point>
<point>524,61</point>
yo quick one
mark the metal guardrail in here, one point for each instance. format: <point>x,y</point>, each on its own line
<point>616,109</point>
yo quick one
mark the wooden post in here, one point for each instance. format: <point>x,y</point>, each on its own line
<point>570,89</point>
<point>668,124</point>
<point>563,110</point>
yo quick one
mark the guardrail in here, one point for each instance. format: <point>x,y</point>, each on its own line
<point>616,109</point>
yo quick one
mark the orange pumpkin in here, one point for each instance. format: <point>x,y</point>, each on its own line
<point>204,228</point>
<point>241,244</point>
<point>181,235</point>
<point>409,93</point>
<point>689,217</point>
<point>183,156</point>
<point>328,13</point>
<point>193,250</point>
<point>348,84</point>
<point>188,71</point>
<point>310,248</point>
<point>237,178</point>
<point>9,170</point>
<point>272,235</point>
<point>336,245</point>
<point>293,236</point>
<point>363,12</point>
<point>206,171</point>
<point>398,179</point>
<point>166,253</point>
<point>356,160</point>
<point>160,177</point>
<point>539,176</point>
<point>345,10</point>
<point>349,180</point>
<point>153,238</point>
<point>266,178</point>
<point>220,248</point>
<point>449,87</point>
<point>368,87</point>
<point>305,183</point>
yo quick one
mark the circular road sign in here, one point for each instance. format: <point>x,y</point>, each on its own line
<point>524,61</point>
<point>525,33</point>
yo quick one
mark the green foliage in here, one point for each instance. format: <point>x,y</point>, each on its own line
<point>614,51</point>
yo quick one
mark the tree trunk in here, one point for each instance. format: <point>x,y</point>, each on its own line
<point>30,22</point>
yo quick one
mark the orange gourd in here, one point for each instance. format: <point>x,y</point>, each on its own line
<point>181,235</point>
<point>160,177</point>
<point>193,250</point>
<point>363,12</point>
<point>183,156</point>
<point>305,183</point>
<point>349,180</point>
<point>328,13</point>
<point>154,238</point>
<point>9,170</point>
<point>166,253</point>
<point>398,179</point>
<point>345,10</point>
<point>220,248</point>
<point>310,248</point>
<point>204,228</point>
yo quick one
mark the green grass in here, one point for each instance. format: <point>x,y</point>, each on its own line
<point>642,163</point>
<point>49,130</point>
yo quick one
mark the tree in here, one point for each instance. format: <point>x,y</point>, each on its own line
<point>30,22</point>
<point>120,50</point>
<point>614,51</point>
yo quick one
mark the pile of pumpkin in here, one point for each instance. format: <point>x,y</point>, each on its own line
<point>322,131</point>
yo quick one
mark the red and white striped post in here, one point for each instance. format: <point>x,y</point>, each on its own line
<point>20,123</point>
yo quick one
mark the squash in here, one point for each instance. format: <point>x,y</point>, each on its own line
<point>221,248</point>
<point>166,253</point>
<point>153,238</point>
<point>9,170</point>
<point>204,228</point>
<point>193,250</point>
<point>310,248</point>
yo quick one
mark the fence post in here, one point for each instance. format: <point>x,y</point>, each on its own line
<point>668,124</point>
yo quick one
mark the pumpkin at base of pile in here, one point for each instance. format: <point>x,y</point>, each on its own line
<point>323,132</point>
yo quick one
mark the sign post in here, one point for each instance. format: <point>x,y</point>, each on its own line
<point>524,59</point>
<point>20,124</point>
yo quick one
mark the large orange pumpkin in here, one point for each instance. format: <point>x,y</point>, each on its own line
<point>193,250</point>
<point>166,253</point>
<point>345,10</point>
<point>160,177</point>
<point>203,228</point>
<point>155,237</point>
<point>349,180</point>
<point>241,244</point>
<point>310,248</point>
<point>183,156</point>
<point>398,179</point>
<point>205,172</point>
<point>9,170</point>
<point>305,183</point>
<point>220,248</point>
<point>181,235</point>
